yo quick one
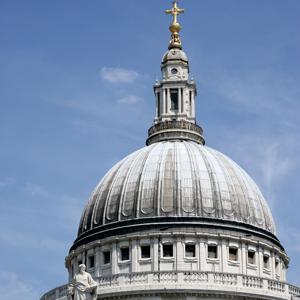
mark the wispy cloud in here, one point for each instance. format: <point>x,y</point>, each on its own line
<point>258,91</point>
<point>36,190</point>
<point>118,75</point>
<point>265,158</point>
<point>130,99</point>
<point>6,182</point>
<point>30,241</point>
<point>13,288</point>
<point>274,165</point>
<point>87,105</point>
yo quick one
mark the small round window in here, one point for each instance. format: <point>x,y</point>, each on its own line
<point>174,71</point>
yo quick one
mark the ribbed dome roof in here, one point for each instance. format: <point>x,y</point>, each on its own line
<point>176,179</point>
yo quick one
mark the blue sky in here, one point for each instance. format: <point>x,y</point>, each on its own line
<point>76,96</point>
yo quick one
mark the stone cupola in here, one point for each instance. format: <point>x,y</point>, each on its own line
<point>175,93</point>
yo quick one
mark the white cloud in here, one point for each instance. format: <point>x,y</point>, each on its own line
<point>130,99</point>
<point>118,75</point>
<point>13,288</point>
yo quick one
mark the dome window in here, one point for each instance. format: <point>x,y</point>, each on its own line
<point>167,250</point>
<point>145,251</point>
<point>106,257</point>
<point>277,264</point>
<point>251,257</point>
<point>212,251</point>
<point>190,250</point>
<point>266,262</point>
<point>124,253</point>
<point>233,253</point>
<point>91,261</point>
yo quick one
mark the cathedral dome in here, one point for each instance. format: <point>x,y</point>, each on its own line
<point>176,179</point>
<point>177,219</point>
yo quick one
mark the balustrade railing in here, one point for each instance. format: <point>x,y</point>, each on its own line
<point>252,282</point>
<point>293,290</point>
<point>276,286</point>
<point>182,125</point>
<point>196,280</point>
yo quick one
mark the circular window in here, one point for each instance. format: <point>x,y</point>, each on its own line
<point>174,71</point>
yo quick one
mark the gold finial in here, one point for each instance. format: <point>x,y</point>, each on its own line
<point>175,26</point>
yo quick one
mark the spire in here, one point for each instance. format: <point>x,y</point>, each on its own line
<point>175,27</point>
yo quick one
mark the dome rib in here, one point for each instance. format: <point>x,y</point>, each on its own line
<point>194,182</point>
<point>128,196</point>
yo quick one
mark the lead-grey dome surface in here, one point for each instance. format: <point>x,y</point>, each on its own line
<point>176,179</point>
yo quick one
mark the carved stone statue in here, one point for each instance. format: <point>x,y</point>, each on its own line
<point>83,286</point>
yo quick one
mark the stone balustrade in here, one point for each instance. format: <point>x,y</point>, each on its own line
<point>182,125</point>
<point>175,130</point>
<point>185,281</point>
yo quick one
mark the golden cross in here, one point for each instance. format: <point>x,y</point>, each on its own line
<point>174,11</point>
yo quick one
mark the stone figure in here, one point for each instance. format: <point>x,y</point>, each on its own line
<point>83,286</point>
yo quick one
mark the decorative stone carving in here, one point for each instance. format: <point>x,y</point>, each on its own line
<point>83,286</point>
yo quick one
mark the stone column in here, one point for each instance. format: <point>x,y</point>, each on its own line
<point>281,271</point>
<point>155,254</point>
<point>168,102</point>
<point>83,257</point>
<point>75,264</point>
<point>134,256</point>
<point>179,254</point>
<point>193,104</point>
<point>244,258</point>
<point>179,100</point>
<point>164,105</point>
<point>97,261</point>
<point>114,259</point>
<point>224,257</point>
<point>156,106</point>
<point>272,265</point>
<point>202,255</point>
<point>260,261</point>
